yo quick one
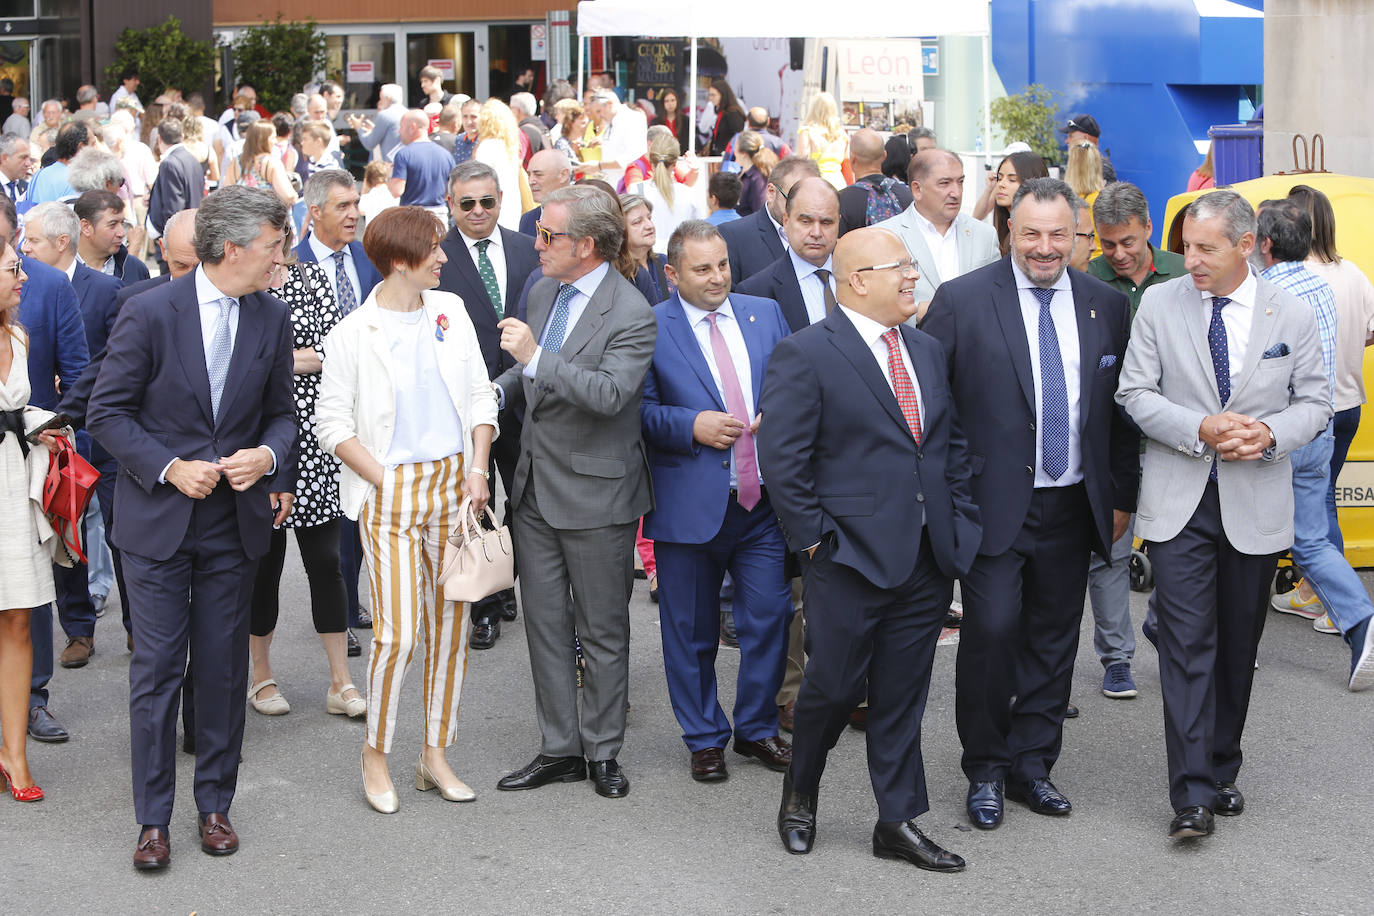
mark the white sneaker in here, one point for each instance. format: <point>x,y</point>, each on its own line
<point>1323,624</point>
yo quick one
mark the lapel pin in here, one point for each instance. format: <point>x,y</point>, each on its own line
<point>751,319</point>
<point>1268,311</point>
<point>1092,313</point>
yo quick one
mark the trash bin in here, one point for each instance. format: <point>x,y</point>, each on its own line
<point>1237,152</point>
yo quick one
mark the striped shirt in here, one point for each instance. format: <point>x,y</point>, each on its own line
<point>1294,277</point>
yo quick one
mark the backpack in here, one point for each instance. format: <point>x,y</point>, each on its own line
<point>882,201</point>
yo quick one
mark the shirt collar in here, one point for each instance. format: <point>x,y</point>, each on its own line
<point>1023,282</point>
<point>777,226</point>
<point>494,238</point>
<point>870,330</point>
<point>588,282</point>
<point>805,268</point>
<point>323,252</point>
<point>1282,269</point>
<point>206,292</point>
<point>70,269</point>
<point>928,226</point>
<point>1243,295</point>
<point>695,316</point>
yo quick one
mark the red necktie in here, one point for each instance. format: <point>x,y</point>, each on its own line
<point>901,385</point>
<point>746,462</point>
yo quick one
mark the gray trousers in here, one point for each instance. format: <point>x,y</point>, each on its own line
<point>1109,590</point>
<point>596,565</point>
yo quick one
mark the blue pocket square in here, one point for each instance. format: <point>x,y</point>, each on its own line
<point>1108,360</point>
<point>1277,350</point>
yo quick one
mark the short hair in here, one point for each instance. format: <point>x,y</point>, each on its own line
<point>13,143</point>
<point>592,214</point>
<point>317,186</point>
<point>91,204</point>
<point>470,102</point>
<point>70,139</point>
<point>176,219</point>
<point>401,236</point>
<point>1119,203</point>
<point>297,105</point>
<point>833,191</point>
<point>328,87</point>
<point>196,102</point>
<point>526,103</point>
<point>1288,229</point>
<point>316,129</point>
<point>392,92</point>
<point>1045,190</point>
<point>128,73</point>
<point>236,214</point>
<point>725,187</point>
<point>282,124</point>
<point>557,91</point>
<point>56,218</point>
<point>448,116</point>
<point>431,73</point>
<point>758,123</point>
<point>921,133</point>
<point>472,170</point>
<point>921,163</point>
<point>605,95</point>
<point>169,131</point>
<point>792,169</point>
<point>691,230</point>
<point>1238,217</point>
<point>7,84</point>
<point>86,94</point>
<point>377,172</point>
<point>94,169</point>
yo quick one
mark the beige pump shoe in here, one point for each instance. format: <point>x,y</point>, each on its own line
<point>424,781</point>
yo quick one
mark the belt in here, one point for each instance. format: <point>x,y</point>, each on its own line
<point>12,421</point>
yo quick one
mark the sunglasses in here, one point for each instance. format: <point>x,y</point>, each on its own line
<point>546,235</point>
<point>467,203</point>
<point>908,266</point>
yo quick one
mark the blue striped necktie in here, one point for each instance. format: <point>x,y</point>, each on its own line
<point>1054,394</point>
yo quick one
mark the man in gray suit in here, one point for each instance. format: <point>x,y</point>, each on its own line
<point>1222,366</point>
<point>581,484</point>
<point>945,243</point>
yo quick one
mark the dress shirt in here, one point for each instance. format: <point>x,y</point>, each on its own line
<point>1066,329</point>
<point>943,248</point>
<point>11,189</point>
<point>70,270</point>
<point>585,285</point>
<point>782,233</point>
<point>1354,321</point>
<point>813,294</point>
<point>1235,317</point>
<point>325,256</point>
<point>625,140</point>
<point>1312,289</point>
<point>739,356</point>
<point>107,267</point>
<point>496,253</point>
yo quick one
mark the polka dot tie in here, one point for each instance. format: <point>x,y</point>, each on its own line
<point>558,322</point>
<point>1054,394</point>
<point>488,275</point>
<point>1221,359</point>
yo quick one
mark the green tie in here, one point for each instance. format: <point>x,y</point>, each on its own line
<point>488,274</point>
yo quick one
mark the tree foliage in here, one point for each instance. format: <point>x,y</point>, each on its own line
<point>278,59</point>
<point>163,56</point>
<point>1029,116</point>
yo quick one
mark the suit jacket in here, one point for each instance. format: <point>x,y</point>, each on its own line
<point>842,467</point>
<point>151,404</point>
<point>779,283</point>
<point>753,244</point>
<point>127,269</point>
<point>654,287</point>
<point>51,317</point>
<point>98,296</point>
<point>459,276</point>
<point>977,247</point>
<point>180,184</point>
<point>527,221</point>
<point>580,441</point>
<point>692,481</point>
<point>1168,385</point>
<point>76,398</point>
<point>368,276</point>
<point>977,319</point>
<point>385,136</point>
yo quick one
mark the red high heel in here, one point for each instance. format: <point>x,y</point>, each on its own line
<point>31,794</point>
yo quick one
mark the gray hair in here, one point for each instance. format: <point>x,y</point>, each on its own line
<point>169,131</point>
<point>86,94</point>
<point>692,230</point>
<point>176,219</point>
<point>1237,216</point>
<point>56,218</point>
<point>299,102</point>
<point>472,170</point>
<point>317,186</point>
<point>632,202</point>
<point>1119,203</point>
<point>391,92</point>
<point>12,143</point>
<point>1045,190</point>
<point>605,95</point>
<point>94,169</point>
<point>592,214</point>
<point>525,102</point>
<point>921,133</point>
<point>236,214</point>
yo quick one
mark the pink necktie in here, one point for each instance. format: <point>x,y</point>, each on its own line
<point>746,463</point>
<point>901,385</point>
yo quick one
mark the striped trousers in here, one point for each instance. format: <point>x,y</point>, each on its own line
<point>403,526</point>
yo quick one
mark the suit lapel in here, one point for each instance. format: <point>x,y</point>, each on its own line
<point>770,235</point>
<point>1088,348</point>
<point>591,319</point>
<point>965,243</point>
<point>1195,319</point>
<point>679,329</point>
<point>787,292</point>
<point>191,345</point>
<point>246,342</point>
<point>744,314</point>
<point>917,247</point>
<point>926,377</point>
<point>367,274</point>
<point>1262,319</point>
<point>1006,302</point>
<point>846,339</point>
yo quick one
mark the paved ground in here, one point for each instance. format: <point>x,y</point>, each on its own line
<point>311,844</point>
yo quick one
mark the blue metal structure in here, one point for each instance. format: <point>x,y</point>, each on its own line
<point>1156,74</point>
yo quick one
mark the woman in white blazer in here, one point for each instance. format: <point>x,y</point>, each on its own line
<point>406,405</point>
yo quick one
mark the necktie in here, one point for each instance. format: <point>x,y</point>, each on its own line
<point>1221,359</point>
<point>221,348</point>
<point>901,385</point>
<point>488,275</point>
<point>1054,394</point>
<point>558,323</point>
<point>348,299</point>
<point>824,276</point>
<point>12,191</point>
<point>746,461</point>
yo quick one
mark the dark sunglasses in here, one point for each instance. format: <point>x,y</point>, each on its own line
<point>467,203</point>
<point>545,235</point>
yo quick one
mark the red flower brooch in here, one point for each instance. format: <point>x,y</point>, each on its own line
<point>440,326</point>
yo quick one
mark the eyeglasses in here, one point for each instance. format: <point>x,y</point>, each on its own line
<point>546,235</point>
<point>1084,235</point>
<point>467,203</point>
<point>14,268</point>
<point>908,266</point>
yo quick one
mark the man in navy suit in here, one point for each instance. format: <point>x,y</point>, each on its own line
<point>802,280</point>
<point>180,182</point>
<point>1034,350</point>
<point>866,467</point>
<point>487,268</point>
<point>332,199</point>
<point>712,511</point>
<point>758,240</point>
<point>195,401</point>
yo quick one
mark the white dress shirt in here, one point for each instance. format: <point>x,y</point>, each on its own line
<point>1066,329</point>
<point>496,253</point>
<point>1235,317</point>
<point>625,140</point>
<point>325,256</point>
<point>782,233</point>
<point>585,285</point>
<point>813,293</point>
<point>943,248</point>
<point>739,357</point>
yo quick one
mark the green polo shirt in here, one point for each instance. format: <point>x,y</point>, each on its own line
<point>1165,265</point>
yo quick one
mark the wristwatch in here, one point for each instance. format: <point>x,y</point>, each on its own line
<point>486,474</point>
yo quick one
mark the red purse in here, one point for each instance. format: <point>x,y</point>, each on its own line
<point>66,494</point>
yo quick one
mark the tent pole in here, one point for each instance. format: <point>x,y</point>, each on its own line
<point>987,96</point>
<point>581,64</point>
<point>692,96</point>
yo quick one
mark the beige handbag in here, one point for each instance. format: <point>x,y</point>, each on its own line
<point>477,562</point>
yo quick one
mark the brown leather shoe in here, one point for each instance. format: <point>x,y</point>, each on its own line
<point>78,652</point>
<point>858,719</point>
<point>217,836</point>
<point>154,850</point>
<point>774,752</point>
<point>708,765</point>
<point>785,714</point>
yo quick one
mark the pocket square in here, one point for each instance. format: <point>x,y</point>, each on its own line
<point>1108,360</point>
<point>1277,350</point>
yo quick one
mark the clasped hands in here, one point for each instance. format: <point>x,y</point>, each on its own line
<point>716,429</point>
<point>1234,436</point>
<point>244,468</point>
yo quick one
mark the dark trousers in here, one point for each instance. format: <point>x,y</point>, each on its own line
<point>40,634</point>
<point>1344,425</point>
<point>319,547</point>
<point>75,611</point>
<point>861,639</point>
<point>198,599</point>
<point>750,545</point>
<point>1210,600</point>
<point>350,564</point>
<point>105,490</point>
<point>1022,611</point>
<point>505,454</point>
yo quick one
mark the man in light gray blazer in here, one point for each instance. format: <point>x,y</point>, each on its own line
<point>1224,376</point>
<point>581,483</point>
<point>945,243</point>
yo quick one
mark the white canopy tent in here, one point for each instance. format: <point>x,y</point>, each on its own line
<point>800,19</point>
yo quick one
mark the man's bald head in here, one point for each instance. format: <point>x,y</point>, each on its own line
<point>888,295</point>
<point>414,124</point>
<point>178,243</point>
<point>866,152</point>
<point>549,170</point>
<point>813,220</point>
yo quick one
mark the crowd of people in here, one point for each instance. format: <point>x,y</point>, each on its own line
<point>833,392</point>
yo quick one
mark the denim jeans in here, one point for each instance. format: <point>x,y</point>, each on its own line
<point>1323,564</point>
<point>1344,425</point>
<point>99,564</point>
<point>1109,589</point>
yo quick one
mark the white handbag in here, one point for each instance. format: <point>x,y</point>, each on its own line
<point>477,562</point>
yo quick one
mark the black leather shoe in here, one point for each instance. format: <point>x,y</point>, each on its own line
<point>1040,796</point>
<point>904,840</point>
<point>1191,822</point>
<point>610,779</point>
<point>355,648</point>
<point>1071,711</point>
<point>485,632</point>
<point>1229,800</point>
<point>543,770</point>
<point>984,804</point>
<point>43,727</point>
<point>708,765</point>
<point>774,752</point>
<point>364,619</point>
<point>796,819</point>
<point>508,609</point>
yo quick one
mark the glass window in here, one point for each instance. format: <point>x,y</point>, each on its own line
<point>455,49</point>
<point>361,83</point>
<point>17,9</point>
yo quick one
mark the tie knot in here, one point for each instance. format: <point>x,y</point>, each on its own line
<point>1219,303</point>
<point>1043,295</point>
<point>339,257</point>
<point>566,292</point>
<point>823,274</point>
<point>711,318</point>
<point>482,245</point>
<point>226,305</point>
<point>890,338</point>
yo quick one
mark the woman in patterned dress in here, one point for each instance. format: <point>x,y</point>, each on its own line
<point>305,287</point>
